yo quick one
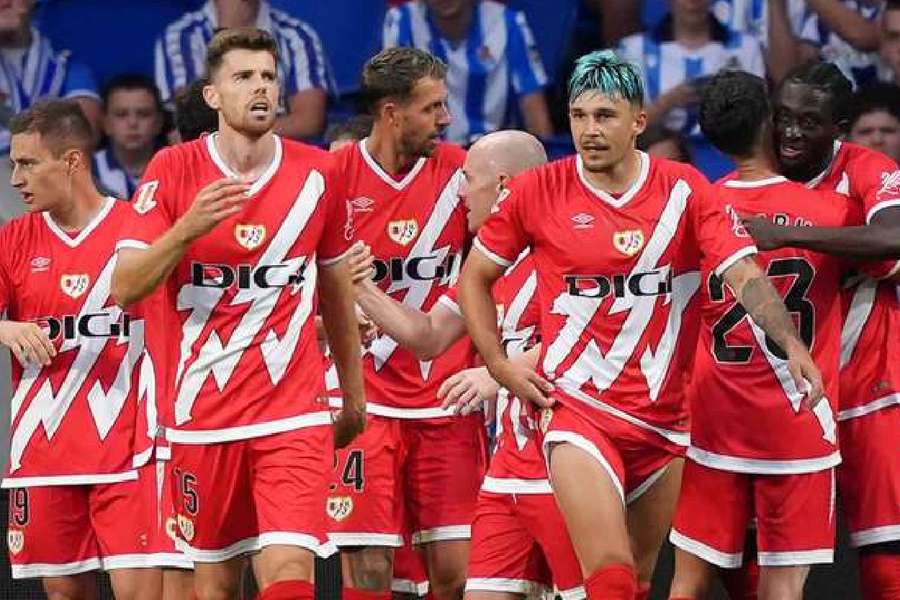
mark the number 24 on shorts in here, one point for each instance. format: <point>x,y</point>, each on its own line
<point>352,473</point>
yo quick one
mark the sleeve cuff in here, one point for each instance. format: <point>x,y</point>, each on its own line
<point>879,207</point>
<point>451,305</point>
<point>728,262</point>
<point>135,244</point>
<point>328,262</point>
<point>494,257</point>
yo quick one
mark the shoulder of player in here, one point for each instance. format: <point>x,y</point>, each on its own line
<point>184,154</point>
<point>552,175</point>
<point>449,156</point>
<point>309,157</point>
<point>853,156</point>
<point>672,171</point>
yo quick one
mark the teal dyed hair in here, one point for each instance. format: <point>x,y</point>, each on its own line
<point>603,72</point>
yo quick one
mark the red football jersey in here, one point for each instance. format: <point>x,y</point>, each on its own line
<point>740,376</point>
<point>73,421</point>
<point>243,298</point>
<point>616,279</point>
<point>417,230</point>
<point>870,348</point>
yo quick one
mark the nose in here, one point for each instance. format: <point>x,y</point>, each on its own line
<point>443,116</point>
<point>15,178</point>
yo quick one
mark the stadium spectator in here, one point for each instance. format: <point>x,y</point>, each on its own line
<point>665,143</point>
<point>889,48</point>
<point>875,118</point>
<point>132,122</point>
<point>492,58</point>
<point>680,54</point>
<point>302,65</point>
<point>193,116</point>
<point>353,129</point>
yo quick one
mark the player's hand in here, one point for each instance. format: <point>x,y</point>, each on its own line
<point>806,374</point>
<point>361,262</point>
<point>347,424</point>
<point>523,383</point>
<point>368,329</point>
<point>212,205</point>
<point>466,391</point>
<point>28,342</point>
<point>764,232</point>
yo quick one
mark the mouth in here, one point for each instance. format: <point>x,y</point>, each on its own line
<point>260,108</point>
<point>789,151</point>
<point>27,197</point>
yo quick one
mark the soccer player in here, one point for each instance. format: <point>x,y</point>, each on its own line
<point>193,116</point>
<point>617,239</point>
<point>78,374</point>
<point>811,110</point>
<point>403,185</point>
<point>244,230</point>
<point>780,471</point>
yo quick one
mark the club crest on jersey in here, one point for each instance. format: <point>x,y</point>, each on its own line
<point>249,236</point>
<point>15,539</point>
<point>890,186</point>
<point>172,528</point>
<point>339,507</point>
<point>629,242</point>
<point>403,232</point>
<point>74,285</point>
<point>186,526</point>
<point>546,417</point>
<point>144,201</point>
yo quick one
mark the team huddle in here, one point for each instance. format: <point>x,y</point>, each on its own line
<point>276,352</point>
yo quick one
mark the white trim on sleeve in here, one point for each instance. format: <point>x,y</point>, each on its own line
<point>136,244</point>
<point>477,243</point>
<point>728,262</point>
<point>879,207</point>
<point>450,304</point>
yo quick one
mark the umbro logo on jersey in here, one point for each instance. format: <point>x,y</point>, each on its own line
<point>628,242</point>
<point>362,204</point>
<point>74,285</point>
<point>403,232</point>
<point>583,221</point>
<point>144,201</point>
<point>249,236</point>
<point>39,263</point>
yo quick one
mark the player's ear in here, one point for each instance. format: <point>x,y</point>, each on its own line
<point>74,160</point>
<point>211,96</point>
<point>502,180</point>
<point>640,120</point>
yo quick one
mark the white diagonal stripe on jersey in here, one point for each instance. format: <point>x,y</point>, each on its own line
<point>860,309</point>
<point>417,290</point>
<point>514,338</point>
<point>278,353</point>
<point>221,359</point>
<point>49,408</point>
<point>106,406</point>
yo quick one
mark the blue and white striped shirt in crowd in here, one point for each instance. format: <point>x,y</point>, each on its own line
<point>180,54</point>
<point>665,64</point>
<point>111,177</point>
<point>491,68</point>
<point>37,72</point>
<point>752,16</point>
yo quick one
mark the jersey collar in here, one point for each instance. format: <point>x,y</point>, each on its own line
<point>738,183</point>
<point>84,233</point>
<point>228,172</point>
<point>629,193</point>
<point>385,177</point>
<point>812,183</point>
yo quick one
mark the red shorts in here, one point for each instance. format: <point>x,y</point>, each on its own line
<point>794,516</point>
<point>237,497</point>
<point>69,529</point>
<point>634,458</point>
<point>163,546</point>
<point>409,572</point>
<point>520,546</point>
<point>869,476</point>
<point>427,472</point>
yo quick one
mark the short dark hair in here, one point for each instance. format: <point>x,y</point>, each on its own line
<point>60,123</point>
<point>733,108</point>
<point>193,116</point>
<point>237,38</point>
<point>827,77</point>
<point>658,133</point>
<point>394,72</point>
<point>355,128</point>
<point>875,97</point>
<point>132,81</point>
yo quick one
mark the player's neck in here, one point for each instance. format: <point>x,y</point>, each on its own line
<point>755,168</point>
<point>20,38</point>
<point>132,161</point>
<point>237,14</point>
<point>246,156</point>
<point>456,27</point>
<point>84,204</point>
<point>387,154</point>
<point>619,177</point>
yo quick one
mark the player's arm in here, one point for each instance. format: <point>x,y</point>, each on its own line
<point>139,272</point>
<point>761,301</point>
<point>426,335</point>
<point>339,319</point>
<point>475,284</point>
<point>851,26</point>
<point>306,115</point>
<point>27,341</point>
<point>879,239</point>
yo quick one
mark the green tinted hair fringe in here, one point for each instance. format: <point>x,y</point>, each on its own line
<point>602,71</point>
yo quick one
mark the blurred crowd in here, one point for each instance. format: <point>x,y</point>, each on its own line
<point>506,61</point>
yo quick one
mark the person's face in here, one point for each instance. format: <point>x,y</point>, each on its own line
<point>694,11</point>
<point>14,14</point>
<point>878,130</point>
<point>604,129</point>
<point>804,130</point>
<point>890,41</point>
<point>245,91</point>
<point>447,9</point>
<point>40,177</point>
<point>480,187</point>
<point>422,119</point>
<point>132,119</point>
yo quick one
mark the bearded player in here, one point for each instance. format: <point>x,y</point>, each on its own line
<point>244,231</point>
<point>811,112</point>
<point>617,240</point>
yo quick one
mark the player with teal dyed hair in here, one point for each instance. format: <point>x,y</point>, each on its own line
<point>602,71</point>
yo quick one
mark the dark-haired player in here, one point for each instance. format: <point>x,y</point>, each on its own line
<point>617,239</point>
<point>80,374</point>
<point>244,230</point>
<point>780,470</point>
<point>811,111</point>
<point>403,185</point>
